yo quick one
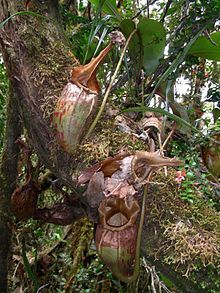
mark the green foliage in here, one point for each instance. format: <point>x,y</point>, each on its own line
<point>90,278</point>
<point>173,117</point>
<point>108,7</point>
<point>31,272</point>
<point>207,48</point>
<point>153,42</point>
<point>147,46</point>
<point>195,178</point>
<point>216,114</point>
<point>82,33</point>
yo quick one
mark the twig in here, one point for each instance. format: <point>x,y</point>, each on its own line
<point>144,8</point>
<point>169,2</point>
<point>42,287</point>
<point>110,85</point>
<point>210,38</point>
<point>168,137</point>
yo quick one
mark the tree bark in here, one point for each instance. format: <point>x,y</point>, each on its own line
<point>38,66</point>
<point>8,176</point>
<point>36,56</point>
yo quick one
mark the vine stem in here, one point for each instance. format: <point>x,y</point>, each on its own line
<point>110,85</point>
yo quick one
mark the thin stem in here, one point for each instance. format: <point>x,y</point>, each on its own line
<point>144,8</point>
<point>110,85</point>
<point>168,137</point>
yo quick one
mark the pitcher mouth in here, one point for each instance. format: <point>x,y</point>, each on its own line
<point>117,214</point>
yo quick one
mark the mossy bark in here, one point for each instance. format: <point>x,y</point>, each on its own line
<point>38,65</point>
<point>181,239</point>
<point>8,175</point>
<point>36,56</point>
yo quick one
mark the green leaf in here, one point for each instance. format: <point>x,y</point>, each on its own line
<point>108,7</point>
<point>147,45</point>
<point>179,120</point>
<point>31,273</point>
<point>216,114</point>
<point>190,174</point>
<point>205,48</point>
<point>153,40</point>
<point>166,281</point>
<point>127,26</point>
<point>177,61</point>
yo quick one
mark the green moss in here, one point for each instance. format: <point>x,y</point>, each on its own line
<point>190,242</point>
<point>107,140</point>
<point>50,74</point>
<point>81,239</point>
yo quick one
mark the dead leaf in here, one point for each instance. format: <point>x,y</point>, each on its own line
<point>125,169</point>
<point>110,166</point>
<point>118,188</point>
<point>151,122</point>
<point>86,175</point>
<point>95,190</point>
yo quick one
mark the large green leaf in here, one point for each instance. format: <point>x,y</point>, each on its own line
<point>127,26</point>
<point>205,48</point>
<point>153,40</point>
<point>108,7</point>
<point>147,45</point>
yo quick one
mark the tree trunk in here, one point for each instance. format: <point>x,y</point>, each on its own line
<point>8,178</point>
<point>38,65</point>
<point>36,57</point>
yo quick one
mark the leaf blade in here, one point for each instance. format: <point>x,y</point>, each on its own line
<point>207,49</point>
